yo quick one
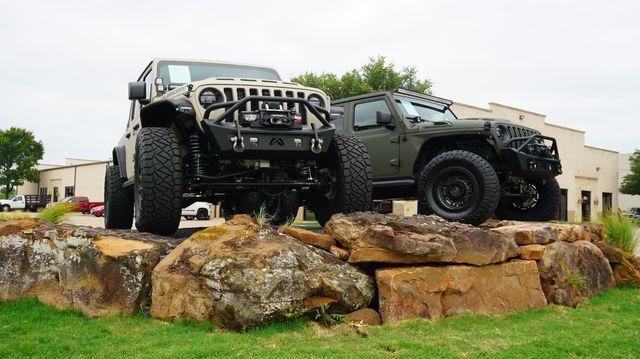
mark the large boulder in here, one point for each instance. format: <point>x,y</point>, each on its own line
<point>572,272</point>
<point>242,275</point>
<point>392,239</point>
<point>435,292</point>
<point>73,267</point>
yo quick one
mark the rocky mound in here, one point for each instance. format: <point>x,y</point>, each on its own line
<point>241,274</point>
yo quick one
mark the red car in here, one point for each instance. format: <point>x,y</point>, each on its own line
<point>82,203</point>
<point>97,211</point>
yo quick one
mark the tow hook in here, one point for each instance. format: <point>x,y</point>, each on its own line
<point>316,143</point>
<point>238,141</point>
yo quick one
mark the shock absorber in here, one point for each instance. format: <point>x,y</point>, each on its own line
<point>197,157</point>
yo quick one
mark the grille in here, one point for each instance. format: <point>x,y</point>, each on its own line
<point>236,93</point>
<point>516,131</point>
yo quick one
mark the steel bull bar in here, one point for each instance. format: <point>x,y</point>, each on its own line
<point>267,143</point>
<point>524,161</point>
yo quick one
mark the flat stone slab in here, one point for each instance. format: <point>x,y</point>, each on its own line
<point>391,239</point>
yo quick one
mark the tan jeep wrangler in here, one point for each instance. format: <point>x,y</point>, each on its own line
<point>233,134</point>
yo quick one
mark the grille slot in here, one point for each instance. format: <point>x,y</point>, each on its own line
<point>235,93</point>
<point>516,132</point>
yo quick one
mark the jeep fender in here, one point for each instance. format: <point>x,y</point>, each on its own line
<point>476,143</point>
<point>165,113</point>
<point>120,160</point>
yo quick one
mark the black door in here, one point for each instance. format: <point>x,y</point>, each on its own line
<point>562,209</point>
<point>586,206</point>
<point>607,202</point>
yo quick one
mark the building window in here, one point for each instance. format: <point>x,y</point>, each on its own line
<point>43,191</point>
<point>607,202</point>
<point>69,191</point>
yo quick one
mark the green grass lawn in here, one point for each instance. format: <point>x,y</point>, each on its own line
<point>608,326</point>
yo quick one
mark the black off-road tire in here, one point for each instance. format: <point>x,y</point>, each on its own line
<point>545,209</point>
<point>348,159</point>
<point>158,181</point>
<point>202,214</point>
<point>279,209</point>
<point>481,176</point>
<point>118,201</point>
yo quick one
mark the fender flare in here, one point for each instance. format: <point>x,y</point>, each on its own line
<point>120,160</point>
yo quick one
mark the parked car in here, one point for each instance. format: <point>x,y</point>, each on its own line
<point>230,134</point>
<point>634,213</point>
<point>24,202</point>
<point>200,210</point>
<point>97,211</point>
<point>464,170</point>
<point>82,203</point>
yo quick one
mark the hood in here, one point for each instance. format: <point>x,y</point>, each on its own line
<point>222,82</point>
<point>5,201</point>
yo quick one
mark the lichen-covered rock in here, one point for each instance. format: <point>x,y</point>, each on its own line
<point>626,267</point>
<point>572,272</point>
<point>68,268</point>
<point>242,275</point>
<point>377,238</point>
<point>435,292</point>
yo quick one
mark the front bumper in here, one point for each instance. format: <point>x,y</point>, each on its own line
<point>265,143</point>
<point>532,158</point>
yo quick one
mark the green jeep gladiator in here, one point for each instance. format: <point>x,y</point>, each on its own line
<point>465,170</point>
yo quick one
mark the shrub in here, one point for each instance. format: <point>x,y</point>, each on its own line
<point>57,213</point>
<point>620,231</point>
<point>12,216</point>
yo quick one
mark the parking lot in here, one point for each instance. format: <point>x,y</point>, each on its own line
<point>98,222</point>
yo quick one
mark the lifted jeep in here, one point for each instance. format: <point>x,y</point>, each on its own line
<point>231,134</point>
<point>460,169</point>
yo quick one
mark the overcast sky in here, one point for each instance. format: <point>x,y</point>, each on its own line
<point>64,65</point>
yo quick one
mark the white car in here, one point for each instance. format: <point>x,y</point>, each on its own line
<point>200,210</point>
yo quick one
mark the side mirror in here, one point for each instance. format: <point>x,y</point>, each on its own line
<point>137,90</point>
<point>336,113</point>
<point>385,118</point>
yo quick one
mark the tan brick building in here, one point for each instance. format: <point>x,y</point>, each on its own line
<point>77,177</point>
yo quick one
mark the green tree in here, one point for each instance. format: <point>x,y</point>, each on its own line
<point>377,75</point>
<point>19,154</point>
<point>631,182</point>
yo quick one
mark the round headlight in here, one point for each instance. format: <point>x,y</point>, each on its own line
<point>316,100</point>
<point>209,96</point>
<point>502,132</point>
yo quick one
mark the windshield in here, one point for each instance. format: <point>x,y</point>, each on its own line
<point>184,72</point>
<point>426,111</point>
